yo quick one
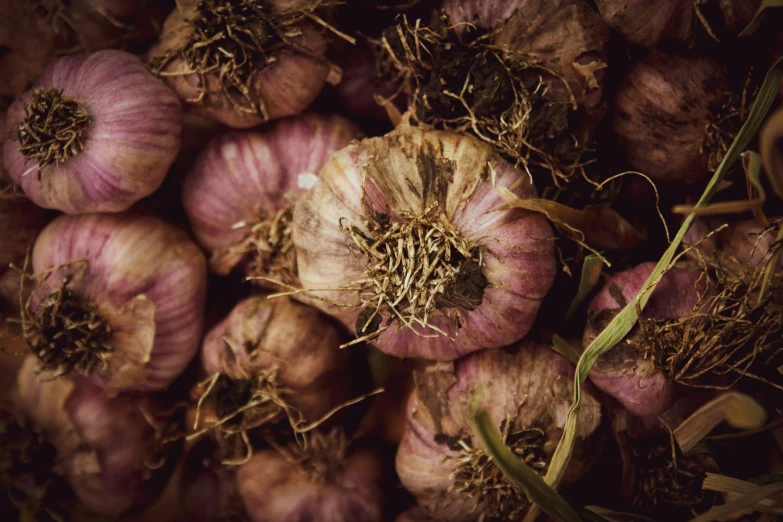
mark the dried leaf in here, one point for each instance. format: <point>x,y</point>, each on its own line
<point>751,164</point>
<point>737,409</point>
<point>724,511</point>
<point>561,347</point>
<point>625,320</point>
<point>759,16</point>
<point>598,228</point>
<point>771,147</point>
<point>592,268</point>
<point>734,488</point>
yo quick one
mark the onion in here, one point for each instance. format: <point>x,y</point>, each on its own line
<point>647,23</point>
<point>244,218</point>
<point>325,482</point>
<point>627,372</point>
<point>119,298</point>
<point>475,282</point>
<point>102,444</point>
<point>279,74</point>
<point>665,110</point>
<point>272,359</point>
<point>112,132</point>
<point>441,462</point>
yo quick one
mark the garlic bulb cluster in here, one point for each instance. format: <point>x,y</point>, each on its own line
<point>402,239</point>
<point>665,115</point>
<point>627,372</point>
<point>327,481</point>
<point>71,145</point>
<point>527,396</point>
<point>239,195</point>
<point>269,360</point>
<point>118,298</point>
<point>103,444</point>
<point>243,62</point>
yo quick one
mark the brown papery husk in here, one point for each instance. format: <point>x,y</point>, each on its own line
<point>735,330</point>
<point>281,71</point>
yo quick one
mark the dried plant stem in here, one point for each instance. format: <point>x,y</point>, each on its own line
<point>64,331</point>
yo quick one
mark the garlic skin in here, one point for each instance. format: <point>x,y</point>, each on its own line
<point>147,280</point>
<point>284,86</point>
<point>208,490</point>
<point>662,112</point>
<point>295,340</point>
<point>520,387</point>
<point>647,23</point>
<point>409,171</point>
<point>242,180</point>
<point>625,372</point>
<point>127,147</point>
<point>101,443</point>
<point>276,490</point>
<point>566,35</point>
<point>741,245</point>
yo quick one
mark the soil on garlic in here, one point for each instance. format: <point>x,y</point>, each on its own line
<point>54,128</point>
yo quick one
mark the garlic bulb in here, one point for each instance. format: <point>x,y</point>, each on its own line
<point>627,372</point>
<point>270,58</point>
<point>326,482</point>
<point>401,229</point>
<point>567,36</point>
<point>111,132</point>
<point>272,359</point>
<point>441,462</point>
<point>239,195</point>
<point>665,114</point>
<point>647,23</point>
<point>102,444</point>
<point>119,298</point>
<point>208,491</point>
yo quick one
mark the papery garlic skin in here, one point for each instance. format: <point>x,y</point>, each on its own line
<point>101,443</point>
<point>242,178</point>
<point>284,87</point>
<point>520,385</point>
<point>276,490</point>
<point>208,490</point>
<point>130,142</point>
<point>647,23</point>
<point>296,340</point>
<point>141,272</point>
<point>410,170</point>
<point>662,111</point>
<point>626,372</point>
<point>566,35</point>
<point>20,223</point>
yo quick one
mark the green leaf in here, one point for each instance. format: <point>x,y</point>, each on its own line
<point>759,16</point>
<point>618,515</point>
<point>591,274</point>
<point>626,319</point>
<point>520,473</point>
<point>561,347</point>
